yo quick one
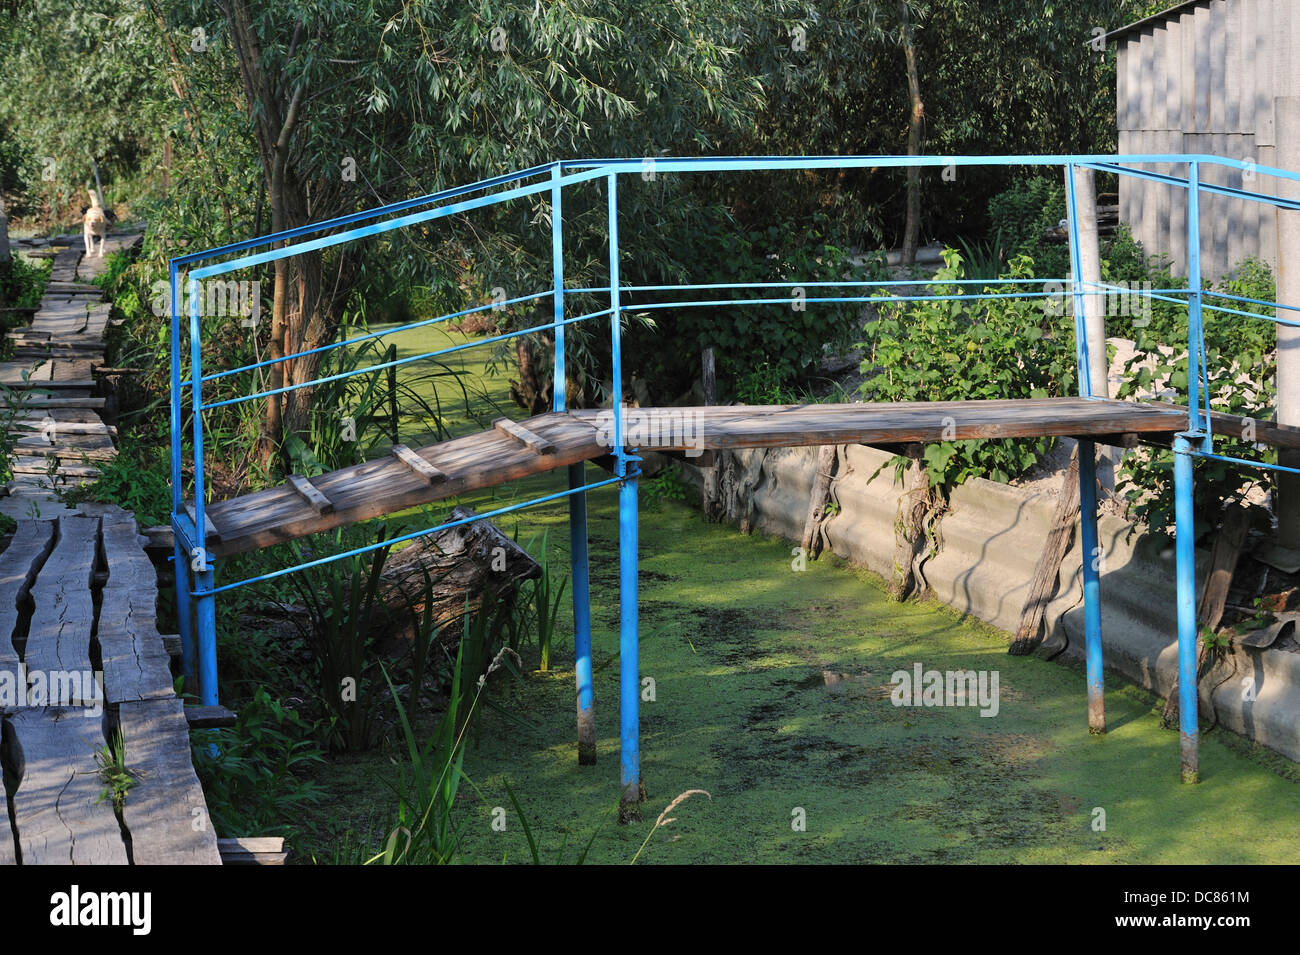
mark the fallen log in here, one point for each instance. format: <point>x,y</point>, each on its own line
<point>468,566</point>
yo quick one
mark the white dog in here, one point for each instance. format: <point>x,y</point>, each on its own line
<point>94,223</point>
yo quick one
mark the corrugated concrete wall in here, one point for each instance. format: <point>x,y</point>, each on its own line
<point>1204,81</point>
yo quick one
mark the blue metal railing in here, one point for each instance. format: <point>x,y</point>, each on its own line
<point>196,585</point>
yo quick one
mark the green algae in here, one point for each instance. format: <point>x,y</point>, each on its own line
<point>772,692</point>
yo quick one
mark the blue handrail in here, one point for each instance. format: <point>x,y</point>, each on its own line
<point>196,586</point>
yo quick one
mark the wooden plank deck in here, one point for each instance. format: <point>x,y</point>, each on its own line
<point>53,625</point>
<point>57,354</point>
<point>498,455</point>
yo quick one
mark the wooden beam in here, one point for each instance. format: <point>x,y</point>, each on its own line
<point>252,851</point>
<point>517,431</point>
<point>209,717</point>
<point>418,464</point>
<point>311,494</point>
<point>213,535</point>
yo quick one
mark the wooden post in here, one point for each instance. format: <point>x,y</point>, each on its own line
<point>1094,306</point>
<point>1287,116</point>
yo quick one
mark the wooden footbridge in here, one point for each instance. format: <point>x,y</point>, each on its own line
<point>509,451</point>
<point>85,676</point>
<point>205,529</point>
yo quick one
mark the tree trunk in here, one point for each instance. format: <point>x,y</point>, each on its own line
<point>909,531</point>
<point>821,495</point>
<point>912,229</point>
<point>5,255</point>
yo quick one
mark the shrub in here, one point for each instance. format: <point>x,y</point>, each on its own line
<point>970,349</point>
<point>252,772</point>
<point>1241,367</point>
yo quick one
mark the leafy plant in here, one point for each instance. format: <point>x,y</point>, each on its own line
<point>541,600</point>
<point>117,778</point>
<point>1240,368</point>
<point>252,773</point>
<point>970,348</point>
<point>343,604</point>
<point>667,485</point>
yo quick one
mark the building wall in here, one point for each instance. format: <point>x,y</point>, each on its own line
<point>1204,81</point>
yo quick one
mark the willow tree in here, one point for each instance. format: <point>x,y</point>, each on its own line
<point>412,97</point>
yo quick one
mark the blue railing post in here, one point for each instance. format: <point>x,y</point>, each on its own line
<point>583,674</point>
<point>1092,557</point>
<point>627,470</point>
<point>205,611</point>
<point>184,610</point>
<point>1087,480</point>
<point>1185,545</point>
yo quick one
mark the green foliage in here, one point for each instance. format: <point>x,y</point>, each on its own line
<point>1022,215</point>
<point>22,283</point>
<point>667,485</point>
<point>254,773</point>
<point>970,349</point>
<point>424,831</point>
<point>1241,368</point>
<point>136,479</point>
<point>768,346</point>
<point>539,604</point>
<point>113,771</point>
<point>344,606</point>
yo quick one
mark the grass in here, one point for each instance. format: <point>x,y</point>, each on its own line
<point>738,646</point>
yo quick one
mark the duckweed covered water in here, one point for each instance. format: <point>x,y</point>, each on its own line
<point>772,692</point>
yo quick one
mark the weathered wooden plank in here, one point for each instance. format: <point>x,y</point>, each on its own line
<point>165,811</point>
<point>135,662</point>
<point>58,641</point>
<point>58,813</point>
<point>209,717</point>
<point>210,530</point>
<point>8,847</point>
<point>515,430</point>
<point>416,463</point>
<point>265,850</point>
<point>318,501</point>
<point>19,565</point>
<point>1223,564</point>
<point>368,490</point>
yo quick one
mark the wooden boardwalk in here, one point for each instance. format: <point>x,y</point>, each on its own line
<point>81,658</point>
<point>53,376</point>
<point>511,451</point>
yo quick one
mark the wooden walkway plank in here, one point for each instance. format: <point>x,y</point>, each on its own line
<point>58,640</point>
<point>58,814</point>
<point>136,664</point>
<point>165,811</point>
<point>19,565</point>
